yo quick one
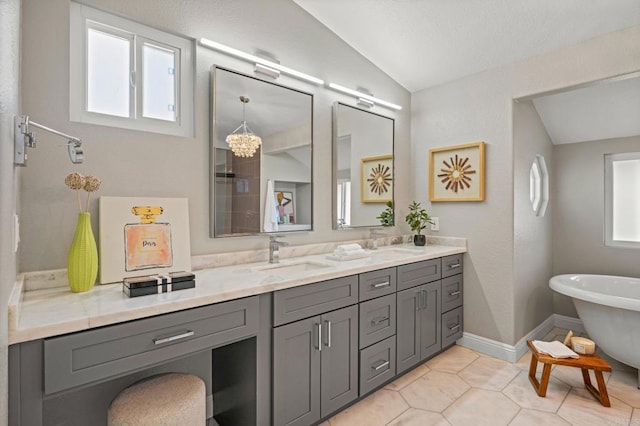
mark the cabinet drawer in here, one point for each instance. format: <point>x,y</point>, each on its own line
<point>451,327</point>
<point>89,356</point>
<point>377,320</point>
<point>377,364</point>
<point>314,299</point>
<point>451,265</point>
<point>451,292</point>
<point>418,273</point>
<point>377,283</point>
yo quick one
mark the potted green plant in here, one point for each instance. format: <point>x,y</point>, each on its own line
<point>417,219</point>
<point>386,217</point>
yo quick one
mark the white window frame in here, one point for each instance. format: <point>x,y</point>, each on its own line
<point>344,203</point>
<point>609,159</point>
<point>81,19</point>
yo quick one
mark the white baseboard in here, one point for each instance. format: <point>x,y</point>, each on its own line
<point>488,346</point>
<point>569,323</point>
<point>513,353</point>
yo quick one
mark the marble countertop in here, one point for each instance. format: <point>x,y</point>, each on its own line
<point>55,310</point>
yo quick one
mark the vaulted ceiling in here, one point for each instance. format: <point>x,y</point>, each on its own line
<point>423,43</point>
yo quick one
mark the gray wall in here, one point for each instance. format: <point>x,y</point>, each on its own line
<point>578,215</point>
<point>533,299</point>
<point>134,163</point>
<point>479,107</point>
<point>9,106</point>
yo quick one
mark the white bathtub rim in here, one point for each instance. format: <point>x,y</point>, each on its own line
<point>559,284</point>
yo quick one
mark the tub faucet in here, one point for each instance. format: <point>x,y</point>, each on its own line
<point>274,248</point>
<point>374,234</point>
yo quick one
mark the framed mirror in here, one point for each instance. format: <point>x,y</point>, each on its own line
<point>362,166</point>
<point>266,187</point>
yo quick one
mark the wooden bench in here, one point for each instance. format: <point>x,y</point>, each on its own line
<point>585,363</point>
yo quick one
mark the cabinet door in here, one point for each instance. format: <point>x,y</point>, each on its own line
<point>451,327</point>
<point>430,320</point>
<point>377,320</point>
<point>296,373</point>
<point>377,283</point>
<point>418,273</point>
<point>451,292</point>
<point>408,328</point>
<point>339,359</point>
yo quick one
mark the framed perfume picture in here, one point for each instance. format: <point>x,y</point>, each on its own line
<point>376,179</point>
<point>142,236</point>
<point>456,173</point>
<point>285,205</point>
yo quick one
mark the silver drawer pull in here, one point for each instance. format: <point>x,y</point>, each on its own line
<point>454,266</point>
<point>380,366</point>
<point>172,338</point>
<point>380,285</point>
<point>454,293</point>
<point>378,320</point>
<point>319,348</point>
<point>455,327</point>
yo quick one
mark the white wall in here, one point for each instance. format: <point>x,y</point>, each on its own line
<point>139,164</point>
<point>533,299</point>
<point>477,108</point>
<point>578,215</point>
<point>9,106</point>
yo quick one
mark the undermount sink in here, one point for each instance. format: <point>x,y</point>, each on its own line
<point>416,250</point>
<point>292,268</point>
<point>394,253</point>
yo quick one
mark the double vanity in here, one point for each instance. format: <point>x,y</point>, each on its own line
<point>285,344</point>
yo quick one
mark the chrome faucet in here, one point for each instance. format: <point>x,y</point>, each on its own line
<point>374,234</point>
<point>274,248</point>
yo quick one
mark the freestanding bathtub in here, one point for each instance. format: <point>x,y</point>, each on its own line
<point>610,311</point>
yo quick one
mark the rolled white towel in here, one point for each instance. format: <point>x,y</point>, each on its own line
<point>347,248</point>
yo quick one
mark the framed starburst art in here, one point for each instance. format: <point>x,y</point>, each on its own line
<point>376,179</point>
<point>456,173</point>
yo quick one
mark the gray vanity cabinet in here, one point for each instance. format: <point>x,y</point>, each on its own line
<point>296,373</point>
<point>339,360</point>
<point>419,308</point>
<point>315,360</point>
<point>418,324</point>
<point>451,299</point>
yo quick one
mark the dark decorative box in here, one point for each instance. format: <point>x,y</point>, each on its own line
<point>156,284</point>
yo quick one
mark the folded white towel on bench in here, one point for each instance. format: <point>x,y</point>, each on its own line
<point>555,349</point>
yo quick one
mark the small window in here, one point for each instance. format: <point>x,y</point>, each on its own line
<point>344,203</point>
<point>622,200</point>
<point>539,186</point>
<point>125,74</point>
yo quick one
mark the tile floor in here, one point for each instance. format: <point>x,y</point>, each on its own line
<point>463,387</point>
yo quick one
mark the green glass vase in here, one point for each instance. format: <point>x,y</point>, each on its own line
<point>82,264</point>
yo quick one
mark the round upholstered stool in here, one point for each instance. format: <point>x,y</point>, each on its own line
<point>167,399</point>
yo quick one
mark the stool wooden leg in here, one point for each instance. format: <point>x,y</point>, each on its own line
<point>546,374</point>
<point>540,387</point>
<point>601,393</point>
<point>532,373</point>
<point>586,378</point>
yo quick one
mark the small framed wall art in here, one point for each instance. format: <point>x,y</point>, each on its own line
<point>376,179</point>
<point>143,236</point>
<point>456,173</point>
<point>285,205</point>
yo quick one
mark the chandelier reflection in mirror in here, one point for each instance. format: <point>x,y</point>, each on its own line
<point>242,141</point>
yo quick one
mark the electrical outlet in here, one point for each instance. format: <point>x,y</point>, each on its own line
<point>435,226</point>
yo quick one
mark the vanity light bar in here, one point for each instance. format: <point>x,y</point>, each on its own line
<point>258,60</point>
<point>363,96</point>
